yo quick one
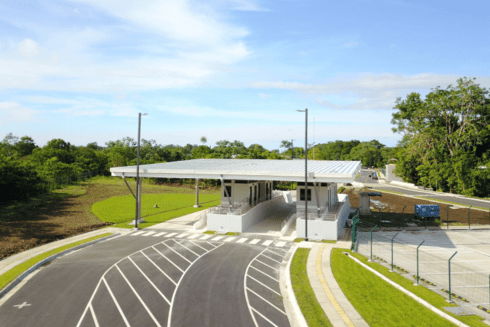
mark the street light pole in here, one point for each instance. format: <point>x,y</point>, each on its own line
<point>138,189</point>
<point>306,172</point>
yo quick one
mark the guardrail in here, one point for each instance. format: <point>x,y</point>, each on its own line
<point>201,219</point>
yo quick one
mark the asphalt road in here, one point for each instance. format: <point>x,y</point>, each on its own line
<point>154,281</point>
<point>459,199</point>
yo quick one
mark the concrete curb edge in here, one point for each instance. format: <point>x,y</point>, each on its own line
<point>290,303</point>
<point>413,296</point>
<point>17,280</point>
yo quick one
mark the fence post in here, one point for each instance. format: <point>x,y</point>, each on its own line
<point>449,273</point>
<point>489,290</point>
<point>392,251</point>
<point>469,222</point>
<point>418,276</point>
<point>447,217</point>
<point>372,242</point>
<point>403,217</point>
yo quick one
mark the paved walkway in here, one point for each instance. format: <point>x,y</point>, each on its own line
<point>333,301</point>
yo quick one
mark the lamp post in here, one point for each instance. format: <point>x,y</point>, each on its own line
<point>306,172</point>
<point>138,188</point>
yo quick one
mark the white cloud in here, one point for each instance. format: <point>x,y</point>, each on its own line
<point>12,111</point>
<point>350,44</point>
<point>264,96</point>
<point>28,48</point>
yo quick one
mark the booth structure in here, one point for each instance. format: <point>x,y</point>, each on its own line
<point>247,195</point>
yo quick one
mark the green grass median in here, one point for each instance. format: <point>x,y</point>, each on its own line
<point>18,270</point>
<point>311,309</point>
<point>380,304</point>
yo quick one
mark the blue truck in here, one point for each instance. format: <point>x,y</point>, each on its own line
<point>427,211</point>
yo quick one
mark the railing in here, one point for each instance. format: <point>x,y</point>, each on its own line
<point>202,218</point>
<point>287,222</point>
<point>237,209</point>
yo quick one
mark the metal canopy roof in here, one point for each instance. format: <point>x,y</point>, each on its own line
<point>248,169</point>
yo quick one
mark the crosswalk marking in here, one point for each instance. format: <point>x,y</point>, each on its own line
<point>217,238</point>
<point>267,243</point>
<point>182,235</point>
<point>171,234</point>
<point>160,234</point>
<point>229,239</point>
<point>255,241</point>
<point>148,234</point>
<point>137,233</point>
<point>194,236</point>
<point>280,244</point>
<point>242,240</point>
<point>205,237</point>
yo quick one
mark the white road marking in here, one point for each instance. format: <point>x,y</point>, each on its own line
<point>229,239</point>
<point>117,303</point>
<point>163,255</point>
<point>171,234</point>
<point>214,246</point>
<point>93,316</point>
<point>264,285</point>
<point>217,238</point>
<point>260,271</point>
<point>266,264</point>
<point>279,255</point>
<point>187,248</point>
<point>199,246</point>
<point>177,252</point>
<point>280,244</point>
<point>255,241</point>
<point>267,243</point>
<point>205,237</point>
<point>183,235</point>
<point>160,234</point>
<point>270,322</point>
<point>139,298</point>
<point>242,240</point>
<point>194,236</point>
<point>248,289</point>
<point>163,272</point>
<point>148,234</point>
<point>245,288</point>
<point>271,258</point>
<point>20,306</point>
<point>137,233</point>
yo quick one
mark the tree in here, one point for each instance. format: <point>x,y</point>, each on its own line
<point>204,140</point>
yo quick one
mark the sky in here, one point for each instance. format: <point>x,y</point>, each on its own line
<point>82,70</point>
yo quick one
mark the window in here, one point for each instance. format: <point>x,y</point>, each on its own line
<point>302,194</point>
<point>228,189</point>
<point>250,197</point>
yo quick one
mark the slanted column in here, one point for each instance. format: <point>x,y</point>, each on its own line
<point>197,205</point>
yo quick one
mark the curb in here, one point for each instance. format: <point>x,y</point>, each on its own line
<point>291,305</point>
<point>17,280</point>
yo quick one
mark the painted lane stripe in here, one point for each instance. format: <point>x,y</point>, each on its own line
<point>177,287</point>
<point>194,236</point>
<point>180,243</point>
<point>270,322</point>
<point>267,243</point>
<point>90,301</point>
<point>272,305</point>
<point>160,234</point>
<point>280,244</point>
<point>214,246</point>
<point>134,263</point>
<point>229,239</point>
<point>163,255</point>
<point>177,252</point>
<point>171,234</point>
<point>266,264</point>
<point>264,285</point>
<point>245,288</point>
<point>182,235</point>
<point>139,298</point>
<point>137,233</point>
<point>271,258</point>
<point>278,254</point>
<point>148,234</point>
<point>199,246</point>
<point>117,304</point>
<point>205,237</point>
<point>242,240</point>
<point>217,238</point>
<point>93,316</point>
<point>260,271</point>
<point>255,241</point>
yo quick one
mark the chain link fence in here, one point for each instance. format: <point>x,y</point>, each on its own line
<point>432,259</point>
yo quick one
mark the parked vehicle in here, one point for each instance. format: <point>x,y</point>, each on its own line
<point>427,211</point>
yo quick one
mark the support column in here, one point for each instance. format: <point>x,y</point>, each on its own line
<point>140,220</point>
<point>197,205</point>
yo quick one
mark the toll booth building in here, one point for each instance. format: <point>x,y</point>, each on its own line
<point>249,202</point>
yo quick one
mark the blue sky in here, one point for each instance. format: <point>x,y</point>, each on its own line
<point>229,69</point>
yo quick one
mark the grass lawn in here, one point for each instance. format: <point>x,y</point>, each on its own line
<point>15,272</point>
<point>121,209</point>
<point>380,304</point>
<point>313,312</point>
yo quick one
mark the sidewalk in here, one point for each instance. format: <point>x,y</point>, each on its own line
<point>333,301</point>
